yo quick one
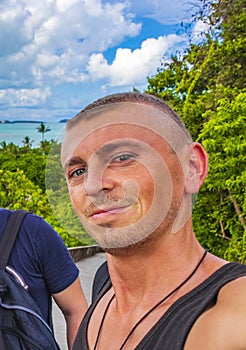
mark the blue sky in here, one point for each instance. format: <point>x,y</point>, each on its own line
<point>56,56</point>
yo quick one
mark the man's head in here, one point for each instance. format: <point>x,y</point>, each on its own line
<point>131,169</point>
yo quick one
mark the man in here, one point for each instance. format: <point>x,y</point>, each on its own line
<point>40,257</point>
<point>132,169</point>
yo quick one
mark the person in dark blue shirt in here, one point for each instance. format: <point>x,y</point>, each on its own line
<point>41,258</point>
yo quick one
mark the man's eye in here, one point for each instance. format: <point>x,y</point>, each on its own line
<point>123,157</point>
<point>77,172</point>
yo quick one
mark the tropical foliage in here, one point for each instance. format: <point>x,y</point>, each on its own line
<point>43,129</point>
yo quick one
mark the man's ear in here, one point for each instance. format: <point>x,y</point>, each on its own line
<point>197,168</point>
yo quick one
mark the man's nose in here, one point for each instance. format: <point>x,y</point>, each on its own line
<point>97,180</point>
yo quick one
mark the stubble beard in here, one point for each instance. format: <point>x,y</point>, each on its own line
<point>127,241</point>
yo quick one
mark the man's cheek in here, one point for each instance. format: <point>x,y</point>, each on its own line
<point>76,199</point>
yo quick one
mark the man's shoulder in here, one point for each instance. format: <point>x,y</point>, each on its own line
<point>233,293</point>
<point>231,283</point>
<point>223,325</point>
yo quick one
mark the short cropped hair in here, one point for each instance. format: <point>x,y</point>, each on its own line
<point>126,97</point>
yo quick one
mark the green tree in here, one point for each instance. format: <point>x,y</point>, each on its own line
<point>3,145</point>
<point>223,197</point>
<point>43,129</point>
<point>13,149</point>
<point>27,142</point>
<point>45,146</point>
<point>18,192</point>
<point>32,164</point>
<point>191,82</point>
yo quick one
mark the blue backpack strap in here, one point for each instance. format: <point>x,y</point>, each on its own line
<point>9,235</point>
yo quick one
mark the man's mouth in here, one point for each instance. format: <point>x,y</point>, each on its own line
<point>105,212</point>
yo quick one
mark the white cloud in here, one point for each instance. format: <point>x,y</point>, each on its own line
<point>25,97</point>
<point>13,33</point>
<point>53,53</point>
<point>50,41</point>
<point>132,67</point>
<point>164,11</point>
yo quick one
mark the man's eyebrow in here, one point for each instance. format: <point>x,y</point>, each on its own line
<point>110,147</point>
<point>103,151</point>
<point>73,161</point>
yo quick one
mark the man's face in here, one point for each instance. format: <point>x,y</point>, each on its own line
<point>124,179</point>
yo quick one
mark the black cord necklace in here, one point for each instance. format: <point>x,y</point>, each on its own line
<point>149,312</point>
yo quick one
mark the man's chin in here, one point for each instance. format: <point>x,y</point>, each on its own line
<point>126,240</point>
<point>127,250</point>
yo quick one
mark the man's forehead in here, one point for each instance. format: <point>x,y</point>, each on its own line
<point>125,116</point>
<point>133,113</point>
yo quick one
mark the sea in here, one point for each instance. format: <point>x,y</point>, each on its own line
<point>16,133</point>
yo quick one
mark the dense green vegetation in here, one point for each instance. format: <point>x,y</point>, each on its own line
<point>206,86</point>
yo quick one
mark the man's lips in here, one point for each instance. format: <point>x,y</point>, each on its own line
<point>100,213</point>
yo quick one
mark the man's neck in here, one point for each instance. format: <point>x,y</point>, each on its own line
<point>150,273</point>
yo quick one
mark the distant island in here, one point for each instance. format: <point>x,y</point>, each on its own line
<point>4,121</point>
<point>20,122</point>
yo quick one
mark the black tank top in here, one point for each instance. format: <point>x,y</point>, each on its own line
<point>172,329</point>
